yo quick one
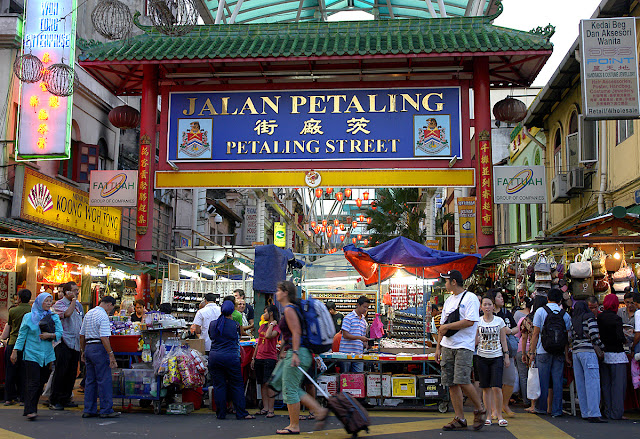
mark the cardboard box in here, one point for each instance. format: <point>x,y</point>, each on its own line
<point>403,386</point>
<point>430,387</point>
<point>353,384</point>
<point>197,344</point>
<point>373,385</point>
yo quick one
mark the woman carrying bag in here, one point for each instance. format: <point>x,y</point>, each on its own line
<point>509,375</point>
<point>39,329</point>
<point>585,340</point>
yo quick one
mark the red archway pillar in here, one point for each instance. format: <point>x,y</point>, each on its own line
<point>484,160</point>
<point>146,163</point>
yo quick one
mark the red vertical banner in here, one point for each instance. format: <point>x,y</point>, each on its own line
<point>486,182</point>
<point>144,180</point>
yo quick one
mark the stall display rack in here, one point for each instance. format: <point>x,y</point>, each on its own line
<point>407,326</point>
<point>345,300</point>
<point>185,295</point>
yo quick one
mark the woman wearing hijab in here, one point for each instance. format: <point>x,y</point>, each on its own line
<point>224,363</point>
<point>585,339</point>
<point>614,368</point>
<point>37,350</point>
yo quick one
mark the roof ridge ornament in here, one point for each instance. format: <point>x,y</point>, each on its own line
<point>498,12</point>
<point>136,22</point>
<point>546,32</point>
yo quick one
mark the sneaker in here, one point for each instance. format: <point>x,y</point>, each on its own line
<point>479,418</point>
<point>89,415</point>
<point>110,415</point>
<point>70,405</point>
<point>56,407</point>
<point>456,424</point>
<point>7,403</point>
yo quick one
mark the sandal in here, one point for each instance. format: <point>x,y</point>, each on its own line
<point>287,431</point>
<point>311,417</point>
<point>262,412</point>
<point>303,418</point>
<point>531,410</point>
<point>270,415</point>
<point>503,423</point>
<point>487,422</point>
<point>456,424</point>
<point>249,417</point>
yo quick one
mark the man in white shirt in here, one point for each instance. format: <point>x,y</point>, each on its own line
<point>636,329</point>
<point>454,352</point>
<point>204,317</point>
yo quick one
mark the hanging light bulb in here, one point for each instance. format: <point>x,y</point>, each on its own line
<point>358,202</point>
<point>312,224</point>
<point>617,255</point>
<point>369,220</point>
<point>342,238</point>
<point>347,193</point>
<point>319,193</point>
<point>373,206</point>
<point>329,190</point>
<point>336,222</point>
<point>87,269</point>
<point>365,195</point>
<point>354,240</point>
<point>339,196</point>
<point>23,259</point>
<point>354,224</point>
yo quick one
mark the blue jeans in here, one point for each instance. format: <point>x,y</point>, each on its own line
<point>550,369</point>
<point>586,371</point>
<point>98,380</point>
<point>225,370</point>
<point>351,367</point>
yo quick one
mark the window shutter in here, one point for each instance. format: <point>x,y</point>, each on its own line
<point>85,161</point>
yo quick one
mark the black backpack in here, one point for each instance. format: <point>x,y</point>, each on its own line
<point>555,336</point>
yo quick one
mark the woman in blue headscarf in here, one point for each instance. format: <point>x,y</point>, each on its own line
<point>224,363</point>
<point>37,349</point>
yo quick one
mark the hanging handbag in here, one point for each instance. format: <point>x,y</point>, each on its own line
<point>582,288</point>
<point>624,273</point>
<point>612,264</point>
<point>542,266</point>
<point>580,268</point>
<point>600,285</point>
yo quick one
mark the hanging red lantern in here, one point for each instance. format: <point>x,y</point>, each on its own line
<point>359,237</point>
<point>318,193</point>
<point>341,226</point>
<point>317,229</point>
<point>361,218</point>
<point>324,223</point>
<point>354,240</point>
<point>369,220</point>
<point>335,231</point>
<point>312,224</point>
<point>373,206</point>
<point>323,228</point>
<point>354,224</point>
<point>339,196</point>
<point>358,202</point>
<point>365,195</point>
<point>329,190</point>
<point>366,242</point>
<point>124,117</point>
<point>510,110</point>
<point>329,228</point>
<point>336,222</point>
<point>347,193</point>
<point>342,238</point>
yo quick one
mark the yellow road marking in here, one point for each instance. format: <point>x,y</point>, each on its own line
<point>535,427</point>
<point>6,434</point>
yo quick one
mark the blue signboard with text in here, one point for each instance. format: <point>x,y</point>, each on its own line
<point>371,124</point>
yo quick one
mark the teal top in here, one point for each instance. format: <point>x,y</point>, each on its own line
<point>34,349</point>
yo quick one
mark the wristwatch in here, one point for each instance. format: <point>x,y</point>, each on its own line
<point>294,352</point>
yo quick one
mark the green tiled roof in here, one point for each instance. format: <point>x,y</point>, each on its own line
<point>305,39</point>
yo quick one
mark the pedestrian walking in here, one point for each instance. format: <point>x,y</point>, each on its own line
<point>68,351</point>
<point>38,330</point>
<point>585,341</point>
<point>265,357</point>
<point>613,369</point>
<point>509,374</point>
<point>523,346</point>
<point>14,372</point>
<point>550,349</point>
<point>99,359</point>
<point>454,351</point>
<point>493,356</point>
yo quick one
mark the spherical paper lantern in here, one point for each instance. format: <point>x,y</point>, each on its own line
<point>173,17</point>
<point>312,224</point>
<point>318,193</point>
<point>28,68</point>
<point>339,196</point>
<point>124,117</point>
<point>510,110</point>
<point>329,190</point>
<point>347,193</point>
<point>60,79</point>
<point>358,202</point>
<point>112,19</point>
<point>365,195</point>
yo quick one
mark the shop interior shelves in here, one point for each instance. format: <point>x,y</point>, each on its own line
<point>345,300</point>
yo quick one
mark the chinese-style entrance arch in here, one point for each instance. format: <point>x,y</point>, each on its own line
<point>463,52</point>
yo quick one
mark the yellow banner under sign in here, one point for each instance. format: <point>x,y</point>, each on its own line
<point>280,234</point>
<point>467,219</point>
<point>56,204</point>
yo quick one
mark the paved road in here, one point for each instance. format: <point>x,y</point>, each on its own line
<point>388,425</point>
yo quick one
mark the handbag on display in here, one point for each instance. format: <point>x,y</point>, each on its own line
<point>597,265</point>
<point>582,288</point>
<point>624,273</point>
<point>511,269</point>
<point>619,287</point>
<point>580,268</point>
<point>600,285</point>
<point>542,266</point>
<point>612,264</point>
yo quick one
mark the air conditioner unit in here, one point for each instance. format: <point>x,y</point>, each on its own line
<point>575,182</point>
<point>559,189</point>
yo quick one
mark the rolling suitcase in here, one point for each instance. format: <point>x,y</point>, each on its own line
<point>347,409</point>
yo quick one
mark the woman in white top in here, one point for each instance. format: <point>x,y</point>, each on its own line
<point>493,357</point>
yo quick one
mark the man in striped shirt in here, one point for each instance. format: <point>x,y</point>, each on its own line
<point>354,335</point>
<point>98,356</point>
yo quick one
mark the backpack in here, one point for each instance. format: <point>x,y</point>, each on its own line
<point>555,336</point>
<point>317,325</point>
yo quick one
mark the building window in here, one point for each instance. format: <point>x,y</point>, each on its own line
<point>624,130</point>
<point>103,155</point>
<point>161,226</point>
<point>557,152</point>
<point>128,228</point>
<point>539,217</point>
<point>572,142</point>
<point>529,220</point>
<point>518,222</point>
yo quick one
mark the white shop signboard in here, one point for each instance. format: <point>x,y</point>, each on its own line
<point>519,185</point>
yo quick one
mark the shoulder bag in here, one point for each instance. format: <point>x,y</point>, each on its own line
<point>453,317</point>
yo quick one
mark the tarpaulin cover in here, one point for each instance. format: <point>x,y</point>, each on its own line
<point>403,253</point>
<point>270,267</point>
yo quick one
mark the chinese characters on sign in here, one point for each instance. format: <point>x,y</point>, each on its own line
<point>144,180</point>
<point>467,220</point>
<point>320,124</point>
<point>486,190</point>
<point>609,68</point>
<point>44,127</point>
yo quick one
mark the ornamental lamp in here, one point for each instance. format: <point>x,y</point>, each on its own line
<point>365,195</point>
<point>354,224</point>
<point>336,222</point>
<point>354,240</point>
<point>369,220</point>
<point>329,190</point>
<point>347,193</point>
<point>312,224</point>
<point>339,196</point>
<point>342,238</point>
<point>358,202</point>
<point>124,117</point>
<point>324,223</point>
<point>510,110</point>
<point>319,193</point>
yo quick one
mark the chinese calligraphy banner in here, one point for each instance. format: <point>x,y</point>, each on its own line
<point>467,221</point>
<point>422,123</point>
<point>45,200</point>
<point>144,185</point>
<point>609,68</point>
<point>519,185</point>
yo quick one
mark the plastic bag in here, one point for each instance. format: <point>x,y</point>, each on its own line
<point>635,374</point>
<point>533,384</point>
<point>377,329</point>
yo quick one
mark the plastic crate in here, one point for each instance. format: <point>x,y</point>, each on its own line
<point>373,385</point>
<point>117,381</point>
<point>140,382</point>
<point>353,384</point>
<point>328,383</point>
<point>430,387</point>
<point>180,408</point>
<point>124,343</point>
<point>403,386</point>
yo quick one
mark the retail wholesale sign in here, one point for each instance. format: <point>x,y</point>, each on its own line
<point>56,204</point>
<point>467,221</point>
<point>609,68</point>
<point>113,188</point>
<point>519,185</point>
<point>44,129</point>
<point>423,123</point>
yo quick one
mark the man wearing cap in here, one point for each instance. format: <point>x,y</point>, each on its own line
<point>454,353</point>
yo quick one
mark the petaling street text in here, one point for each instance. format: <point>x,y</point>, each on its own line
<point>313,146</point>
